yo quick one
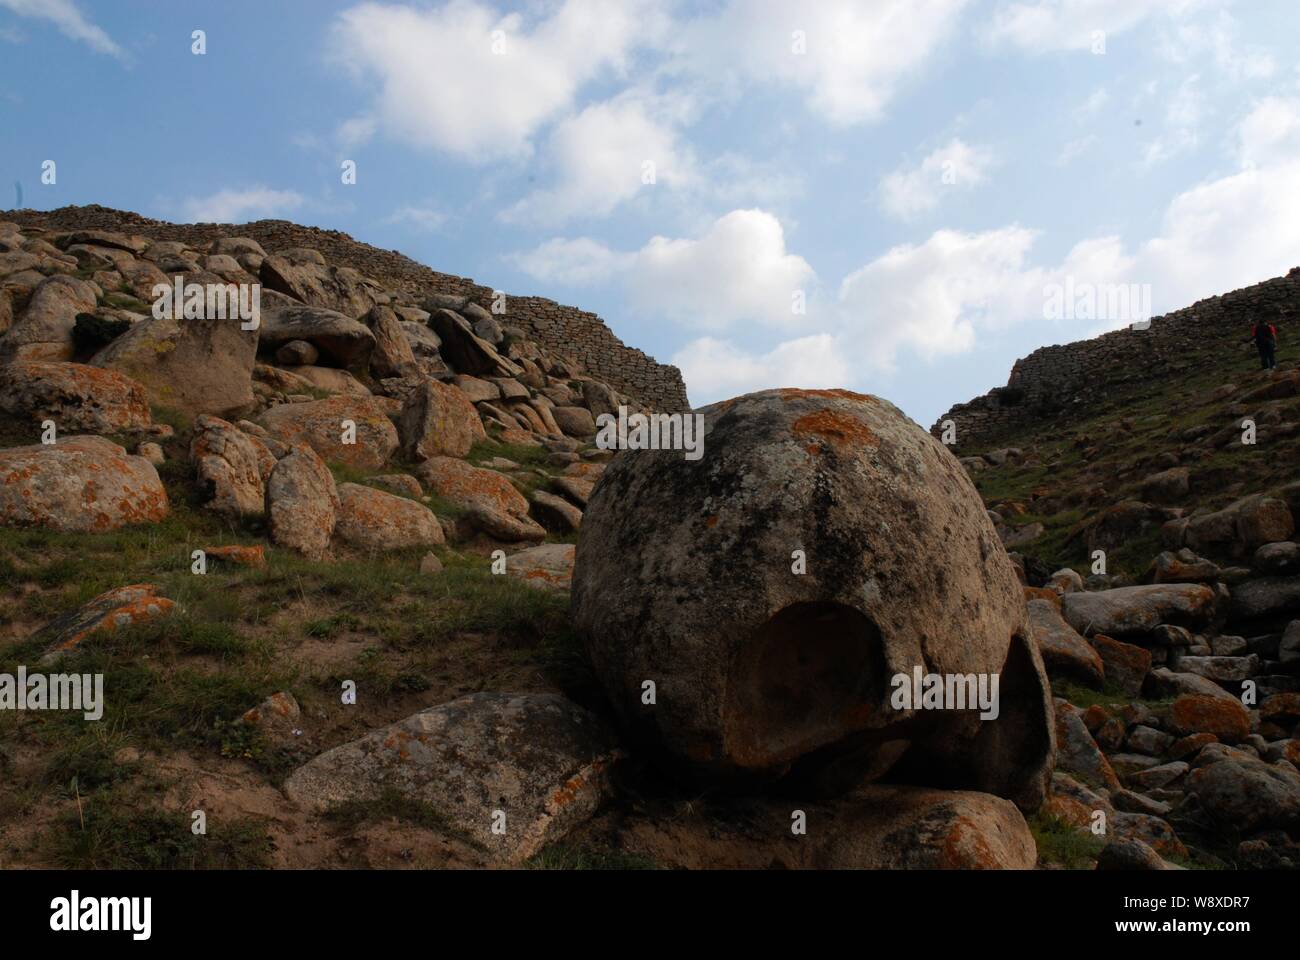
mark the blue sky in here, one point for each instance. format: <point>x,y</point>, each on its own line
<point>919,173</point>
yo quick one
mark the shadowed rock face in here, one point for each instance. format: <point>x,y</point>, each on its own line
<point>684,577</point>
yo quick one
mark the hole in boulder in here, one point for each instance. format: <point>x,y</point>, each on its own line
<point>811,675</point>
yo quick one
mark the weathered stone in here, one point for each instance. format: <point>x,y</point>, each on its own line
<point>346,342</point>
<point>743,684</point>
<point>1182,567</point>
<point>1077,752</point>
<point>1129,855</point>
<point>80,484</point>
<point>332,380</point>
<point>297,353</point>
<point>1227,719</point>
<point>548,566</point>
<point>1126,665</point>
<point>105,614</point>
<point>1221,669</point>
<point>477,390</point>
<point>76,397</point>
<point>232,468</point>
<point>302,504</point>
<point>555,513</point>
<point>392,356</point>
<point>462,348</point>
<point>1266,597</point>
<point>1149,741</point>
<point>1163,682</point>
<point>402,484</point>
<point>323,424</point>
<point>438,420</point>
<point>1132,610</point>
<point>541,760</point>
<point>493,504</point>
<point>1244,795</point>
<point>371,519</point>
<point>193,366</point>
<point>1065,653</point>
<point>44,329</point>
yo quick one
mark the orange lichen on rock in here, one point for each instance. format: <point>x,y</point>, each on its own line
<point>840,430</point>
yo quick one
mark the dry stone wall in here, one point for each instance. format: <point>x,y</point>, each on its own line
<point>567,331</point>
<point>1052,380</point>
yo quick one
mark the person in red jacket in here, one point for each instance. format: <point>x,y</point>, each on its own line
<point>1264,336</point>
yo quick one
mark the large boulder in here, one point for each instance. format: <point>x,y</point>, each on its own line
<point>1135,610</point>
<point>302,504</point>
<point>344,341</point>
<point>1065,653</point>
<point>76,397</point>
<point>80,484</point>
<point>463,349</point>
<point>1244,795</point>
<point>392,356</point>
<point>791,588</point>
<point>437,421</point>
<point>324,425</point>
<point>44,330</point>
<point>302,274</point>
<point>1266,597</point>
<point>534,766</point>
<point>232,468</point>
<point>195,366</point>
<point>373,520</point>
<point>491,502</point>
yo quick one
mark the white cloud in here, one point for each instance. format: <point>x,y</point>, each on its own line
<point>600,159</point>
<point>1183,117</point>
<point>716,369</point>
<point>932,296</point>
<point>1075,149</point>
<point>857,54</point>
<point>908,192</point>
<point>70,22</point>
<point>1270,134</point>
<point>575,263</point>
<point>239,206</point>
<point>737,270</point>
<point>422,218</point>
<point>1216,41</point>
<point>1048,26</point>
<point>441,86</point>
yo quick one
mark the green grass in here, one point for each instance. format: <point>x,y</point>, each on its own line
<point>563,857</point>
<point>1064,845</point>
<point>123,834</point>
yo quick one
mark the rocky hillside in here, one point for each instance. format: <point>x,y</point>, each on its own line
<point>362,590</point>
<point>1147,484</point>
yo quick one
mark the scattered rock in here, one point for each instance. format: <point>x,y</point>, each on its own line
<point>302,504</point>
<point>492,503</point>
<point>105,614</point>
<point>80,484</point>
<point>537,759</point>
<point>371,519</point>
<point>548,566</point>
<point>76,397</point>
<point>1227,719</point>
